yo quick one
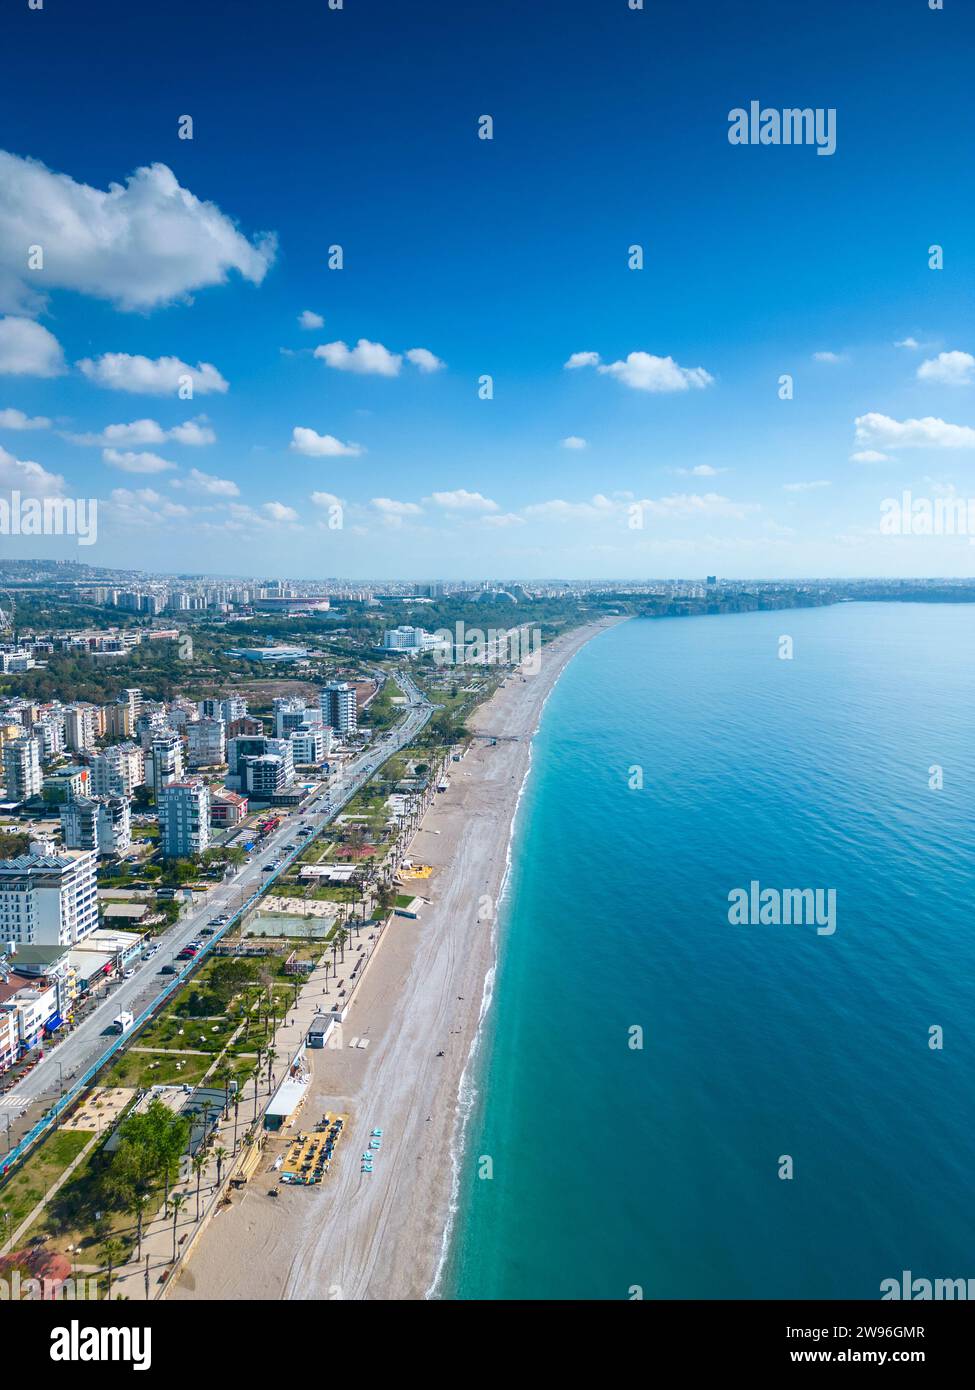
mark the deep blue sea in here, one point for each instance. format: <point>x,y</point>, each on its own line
<point>616,1167</point>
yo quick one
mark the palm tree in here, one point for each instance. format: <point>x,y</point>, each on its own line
<point>225,1075</point>
<point>342,938</point>
<point>179,1202</point>
<point>257,1081</point>
<point>112,1252</point>
<point>199,1163</point>
<point>137,1206</point>
<point>271,1054</point>
<point>220,1153</point>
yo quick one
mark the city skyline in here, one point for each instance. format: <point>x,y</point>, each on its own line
<point>337,424</point>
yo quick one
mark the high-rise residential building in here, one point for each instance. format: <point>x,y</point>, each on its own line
<point>118,721</point>
<point>167,759</point>
<point>263,777</point>
<point>207,744</point>
<point>118,771</point>
<point>22,768</point>
<point>103,824</point>
<point>79,727</point>
<point>48,899</point>
<point>289,714</point>
<point>132,697</point>
<point>258,746</point>
<point>184,818</point>
<point>49,733</point>
<point>308,744</point>
<point>338,706</point>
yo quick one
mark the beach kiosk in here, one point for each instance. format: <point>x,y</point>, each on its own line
<point>286,1102</point>
<point>321,1026</point>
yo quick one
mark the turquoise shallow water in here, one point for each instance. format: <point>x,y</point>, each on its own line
<point>658,1168</point>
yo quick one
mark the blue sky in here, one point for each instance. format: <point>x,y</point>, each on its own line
<point>358,127</point>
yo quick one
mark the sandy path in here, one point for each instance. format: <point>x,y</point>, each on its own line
<point>379,1235</point>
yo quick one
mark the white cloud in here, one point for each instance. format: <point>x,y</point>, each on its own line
<point>463,501</point>
<point>207,483</point>
<point>28,477</point>
<point>425,360</point>
<point>807,487</point>
<point>688,505</point>
<point>309,319</point>
<point>503,519</point>
<point>574,441</point>
<point>702,470</point>
<point>366,358</point>
<point>140,432</point>
<point>277,511</point>
<point>28,349</point>
<point>642,371</point>
<point>393,512</point>
<point>139,244</point>
<point>144,507</point>
<point>949,369</point>
<point>390,507</point>
<point>11,419</point>
<point>869,456</point>
<point>326,499</point>
<point>306,441</point>
<point>558,509</point>
<point>927,433</point>
<point>136,463</point>
<point>160,376</point>
<point>828,357</point>
<point>911,343</point>
<point>192,434</point>
<point>582,359</point>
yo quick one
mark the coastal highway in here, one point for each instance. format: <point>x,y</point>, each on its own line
<point>81,1049</point>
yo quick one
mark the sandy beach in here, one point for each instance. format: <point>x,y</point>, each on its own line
<point>380,1235</point>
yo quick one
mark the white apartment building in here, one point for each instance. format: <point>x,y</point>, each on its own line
<point>22,768</point>
<point>167,759</point>
<point>311,744</point>
<point>289,714</point>
<point>79,727</point>
<point>184,818</point>
<point>49,732</point>
<point>118,771</point>
<point>338,705</point>
<point>48,899</point>
<point>411,639</point>
<point>24,1013</point>
<point>233,707</point>
<point>103,824</point>
<point>207,742</point>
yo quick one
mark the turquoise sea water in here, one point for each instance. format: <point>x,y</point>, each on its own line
<point>615,1167</point>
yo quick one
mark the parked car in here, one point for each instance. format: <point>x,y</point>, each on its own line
<point>168,970</point>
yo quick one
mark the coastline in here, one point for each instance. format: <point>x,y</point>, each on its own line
<point>386,1235</point>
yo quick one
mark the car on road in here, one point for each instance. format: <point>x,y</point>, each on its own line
<point>127,974</point>
<point>214,922</point>
<point>268,868</point>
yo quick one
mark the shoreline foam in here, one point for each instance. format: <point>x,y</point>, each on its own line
<point>389,1235</point>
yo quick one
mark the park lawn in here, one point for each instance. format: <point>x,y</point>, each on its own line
<point>70,1219</point>
<point>141,1069</point>
<point>25,1188</point>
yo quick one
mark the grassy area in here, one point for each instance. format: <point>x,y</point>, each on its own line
<point>25,1188</point>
